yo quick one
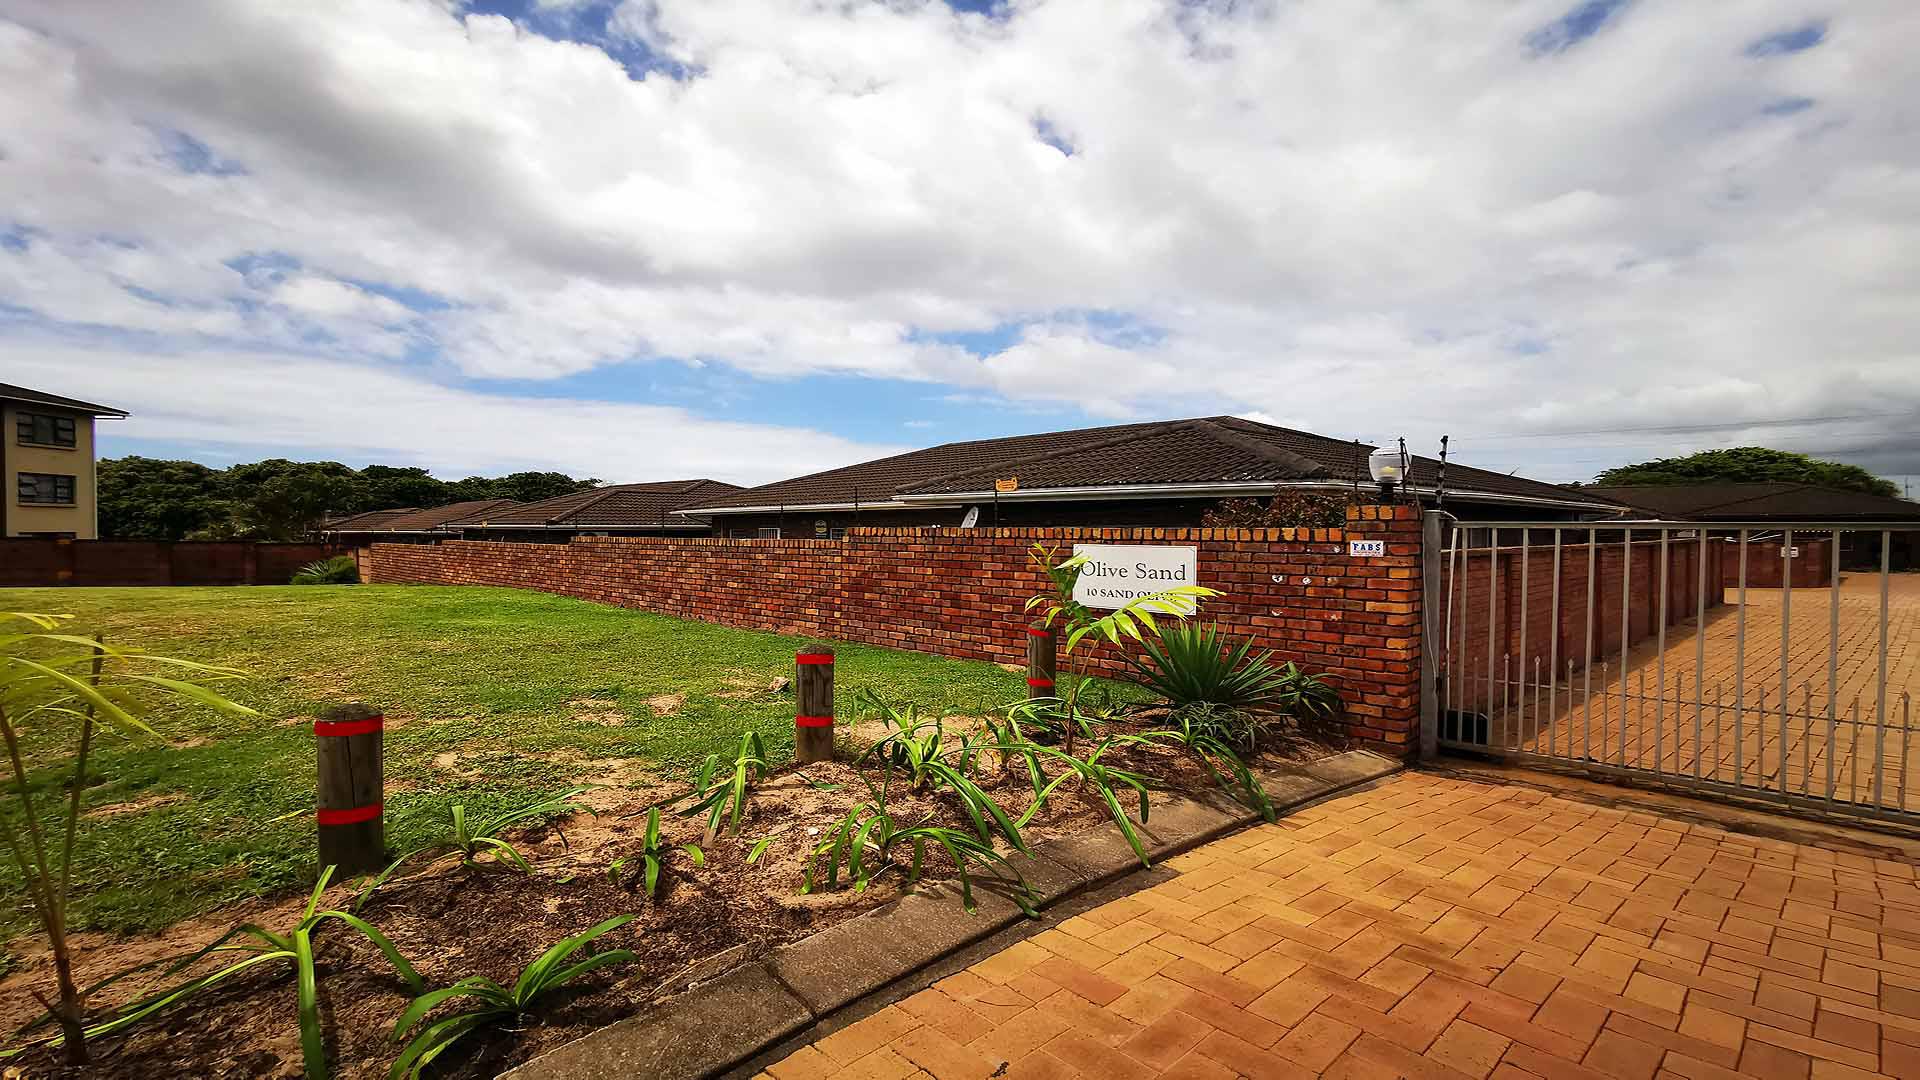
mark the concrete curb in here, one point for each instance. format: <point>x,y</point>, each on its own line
<point>721,1023</point>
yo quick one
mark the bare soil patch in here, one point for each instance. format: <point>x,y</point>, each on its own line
<point>135,806</point>
<point>453,921</point>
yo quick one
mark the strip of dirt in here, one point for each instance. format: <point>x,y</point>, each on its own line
<point>454,921</point>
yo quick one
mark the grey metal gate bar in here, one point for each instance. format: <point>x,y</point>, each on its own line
<point>1675,602</point>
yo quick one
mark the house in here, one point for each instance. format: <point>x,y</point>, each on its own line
<point>1768,510</point>
<point>1168,472</point>
<point>410,525</point>
<point>648,509</point>
<point>47,456</point>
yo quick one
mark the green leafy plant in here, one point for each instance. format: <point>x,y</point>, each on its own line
<point>491,1002</point>
<point>260,946</point>
<point>470,841</point>
<point>919,749</point>
<point>1129,622</point>
<point>1188,664</point>
<point>1107,781</point>
<point>653,857</point>
<point>728,799</point>
<point>339,570</point>
<point>47,677</point>
<point>865,841</point>
<point>1222,763</point>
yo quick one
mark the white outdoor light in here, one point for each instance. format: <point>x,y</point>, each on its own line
<point>1388,466</point>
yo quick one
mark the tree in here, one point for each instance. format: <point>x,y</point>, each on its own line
<point>278,499</point>
<point>390,488</point>
<point>283,500</point>
<point>149,499</point>
<point>1748,465</point>
<point>534,486</point>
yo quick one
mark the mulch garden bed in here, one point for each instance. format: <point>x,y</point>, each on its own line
<point>453,922</point>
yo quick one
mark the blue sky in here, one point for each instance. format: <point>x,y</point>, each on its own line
<point>746,238</point>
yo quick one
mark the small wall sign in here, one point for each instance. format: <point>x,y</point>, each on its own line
<point>1116,574</point>
<point>1366,549</point>
<point>1011,483</point>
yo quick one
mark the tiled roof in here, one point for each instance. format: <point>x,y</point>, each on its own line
<point>614,506</point>
<point>1208,450</point>
<point>1759,502</point>
<point>369,521</point>
<point>424,520</point>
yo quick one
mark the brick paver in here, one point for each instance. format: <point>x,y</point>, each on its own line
<point>1440,928</point>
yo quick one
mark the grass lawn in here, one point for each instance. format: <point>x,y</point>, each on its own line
<point>492,696</point>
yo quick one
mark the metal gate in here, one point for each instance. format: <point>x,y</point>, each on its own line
<point>1734,657</point>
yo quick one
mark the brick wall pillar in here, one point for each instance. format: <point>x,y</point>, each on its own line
<point>1381,629</point>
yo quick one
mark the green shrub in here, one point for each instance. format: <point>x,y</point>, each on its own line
<point>1191,665</point>
<point>339,570</point>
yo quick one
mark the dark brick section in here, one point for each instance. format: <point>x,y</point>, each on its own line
<point>26,563</point>
<point>960,592</point>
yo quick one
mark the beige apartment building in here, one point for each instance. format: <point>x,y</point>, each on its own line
<point>46,456</point>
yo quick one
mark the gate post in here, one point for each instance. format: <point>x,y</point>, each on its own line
<point>1430,644</point>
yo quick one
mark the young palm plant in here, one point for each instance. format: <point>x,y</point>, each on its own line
<point>918,748</point>
<point>1222,763</point>
<point>865,840</point>
<point>728,799</point>
<point>490,1002</point>
<point>1128,622</point>
<point>47,677</point>
<point>653,857</point>
<point>470,841</point>
<point>1107,781</point>
<point>260,946</point>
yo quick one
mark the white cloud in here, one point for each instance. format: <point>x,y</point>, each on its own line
<point>1357,216</point>
<point>365,412</point>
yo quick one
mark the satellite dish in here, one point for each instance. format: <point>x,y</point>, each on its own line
<point>971,519</point>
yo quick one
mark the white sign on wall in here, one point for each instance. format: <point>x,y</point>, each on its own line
<point>1365,549</point>
<point>1117,574</point>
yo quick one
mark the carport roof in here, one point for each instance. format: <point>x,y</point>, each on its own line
<point>617,506</point>
<point>1759,502</point>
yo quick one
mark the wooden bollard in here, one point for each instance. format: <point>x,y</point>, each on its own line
<point>1040,661</point>
<point>813,704</point>
<point>352,782</point>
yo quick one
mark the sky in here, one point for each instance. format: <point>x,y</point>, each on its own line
<point>748,239</point>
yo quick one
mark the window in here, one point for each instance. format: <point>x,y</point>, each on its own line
<point>46,489</point>
<point>769,533</point>
<point>836,533</point>
<point>45,429</point>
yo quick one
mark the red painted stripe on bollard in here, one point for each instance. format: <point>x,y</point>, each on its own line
<point>350,727</point>
<point>813,721</point>
<point>1038,632</point>
<point>813,658</point>
<point>1040,682</point>
<point>347,817</point>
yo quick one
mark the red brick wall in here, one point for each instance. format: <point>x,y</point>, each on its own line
<point>35,562</point>
<point>1478,576</point>
<point>1812,568</point>
<point>960,592</point>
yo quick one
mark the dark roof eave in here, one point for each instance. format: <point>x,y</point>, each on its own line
<point>10,392</point>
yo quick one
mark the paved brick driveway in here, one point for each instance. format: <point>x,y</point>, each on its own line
<point>1436,927</point>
